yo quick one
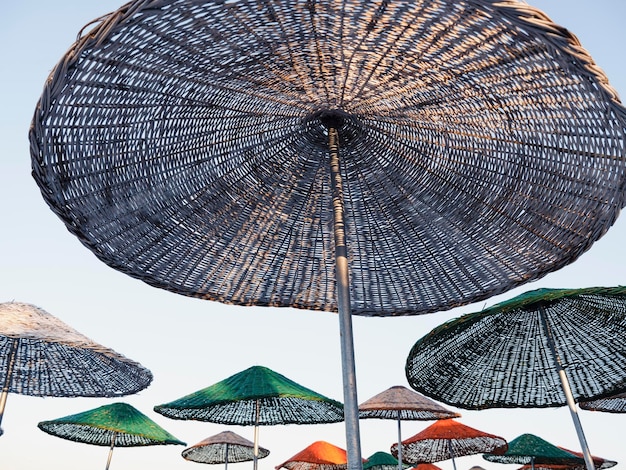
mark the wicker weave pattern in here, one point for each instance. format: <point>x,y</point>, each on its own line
<point>181,142</point>
<point>403,404</point>
<point>52,359</point>
<point>613,404</point>
<point>500,357</point>
<point>225,447</point>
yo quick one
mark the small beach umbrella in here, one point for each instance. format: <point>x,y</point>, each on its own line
<point>320,455</point>
<point>611,404</point>
<point>225,447</point>
<point>446,439</point>
<point>42,356</point>
<point>532,450</point>
<point>382,461</point>
<point>115,425</point>
<point>428,466</point>
<point>257,396</point>
<point>544,348</point>
<point>400,403</point>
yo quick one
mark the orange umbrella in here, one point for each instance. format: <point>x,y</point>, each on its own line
<point>426,466</point>
<point>447,439</point>
<point>318,456</point>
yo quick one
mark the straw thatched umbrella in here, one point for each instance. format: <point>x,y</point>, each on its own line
<point>225,447</point>
<point>382,461</point>
<point>320,455</point>
<point>611,404</point>
<point>42,356</point>
<point>114,425</point>
<point>360,157</point>
<point>400,403</point>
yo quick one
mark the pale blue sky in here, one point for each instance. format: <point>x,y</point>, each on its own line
<point>190,344</point>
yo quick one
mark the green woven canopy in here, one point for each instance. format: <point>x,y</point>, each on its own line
<point>507,344</point>
<point>382,461</point>
<point>528,449</point>
<point>234,401</point>
<point>118,422</point>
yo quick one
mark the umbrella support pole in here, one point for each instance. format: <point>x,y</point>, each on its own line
<point>7,380</point>
<point>451,454</point>
<point>399,443</point>
<point>255,455</point>
<point>568,394</point>
<point>351,407</point>
<point>110,451</point>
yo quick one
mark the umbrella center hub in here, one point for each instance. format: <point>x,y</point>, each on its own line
<point>317,124</point>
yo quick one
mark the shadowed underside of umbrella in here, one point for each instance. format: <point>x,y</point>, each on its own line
<point>613,404</point>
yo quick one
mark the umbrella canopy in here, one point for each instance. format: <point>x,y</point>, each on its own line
<point>531,449</point>
<point>320,455</point>
<point>42,356</point>
<point>225,447</point>
<point>547,347</point>
<point>382,461</point>
<point>428,466</point>
<point>115,425</point>
<point>400,403</point>
<point>363,157</point>
<point>446,439</point>
<point>256,396</point>
<point>598,462</point>
<point>613,404</point>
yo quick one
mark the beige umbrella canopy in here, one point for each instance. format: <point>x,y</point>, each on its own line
<point>225,447</point>
<point>42,356</point>
<point>400,403</point>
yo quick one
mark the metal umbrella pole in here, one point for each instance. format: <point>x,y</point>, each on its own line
<point>7,380</point>
<point>255,458</point>
<point>568,393</point>
<point>351,404</point>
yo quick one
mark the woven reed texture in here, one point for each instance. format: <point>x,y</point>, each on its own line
<point>320,455</point>
<point>598,462</point>
<point>225,447</point>
<point>382,461</point>
<point>447,439</point>
<point>400,403</point>
<point>528,448</point>
<point>613,404</point>
<point>42,356</point>
<point>500,357</point>
<point>235,399</point>
<point>99,426</point>
<point>184,142</point>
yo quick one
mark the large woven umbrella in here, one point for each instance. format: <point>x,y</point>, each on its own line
<point>366,157</point>
<point>544,348</point>
<point>320,455</point>
<point>446,439</point>
<point>114,425</point>
<point>225,447</point>
<point>257,396</point>
<point>42,356</point>
<point>400,403</point>
<point>531,449</point>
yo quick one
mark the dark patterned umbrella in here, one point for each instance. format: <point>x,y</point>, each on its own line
<point>400,403</point>
<point>115,425</point>
<point>225,447</point>
<point>366,157</point>
<point>447,439</point>
<point>598,462</point>
<point>42,356</point>
<point>547,347</point>
<point>531,449</point>
<point>613,404</point>
<point>256,396</point>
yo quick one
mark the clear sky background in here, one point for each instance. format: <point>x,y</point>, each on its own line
<point>190,344</point>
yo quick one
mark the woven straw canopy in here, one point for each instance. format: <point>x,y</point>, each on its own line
<point>235,399</point>
<point>529,448</point>
<point>225,447</point>
<point>320,455</point>
<point>612,404</point>
<point>400,403</point>
<point>598,462</point>
<point>42,356</point>
<point>382,461</point>
<point>508,347</point>
<point>446,439</point>
<point>185,142</point>
<point>428,466</point>
<point>119,423</point>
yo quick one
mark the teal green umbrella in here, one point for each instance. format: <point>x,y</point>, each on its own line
<point>382,461</point>
<point>530,449</point>
<point>257,396</point>
<point>115,425</point>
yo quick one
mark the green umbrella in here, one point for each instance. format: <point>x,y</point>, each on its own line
<point>382,461</point>
<point>544,348</point>
<point>256,396</point>
<point>118,424</point>
<point>531,449</point>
